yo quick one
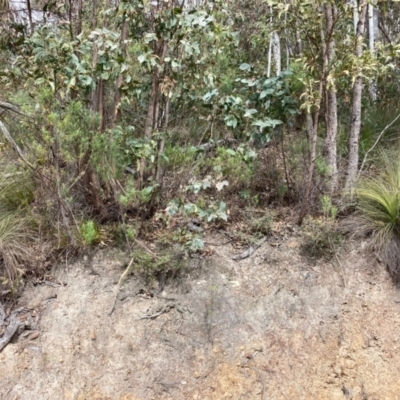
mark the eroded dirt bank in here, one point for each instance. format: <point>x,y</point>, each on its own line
<point>269,327</point>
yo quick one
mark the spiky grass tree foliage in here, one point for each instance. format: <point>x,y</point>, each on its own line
<point>379,211</point>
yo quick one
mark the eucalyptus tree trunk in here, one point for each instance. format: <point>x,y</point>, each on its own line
<point>28,5</point>
<point>90,179</point>
<point>356,14</point>
<point>331,104</point>
<point>117,93</point>
<point>312,122</point>
<point>269,64</point>
<point>276,53</point>
<point>352,166</point>
<point>371,40</point>
<point>153,106</point>
<point>78,17</point>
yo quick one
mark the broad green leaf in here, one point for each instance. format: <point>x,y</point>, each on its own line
<point>245,67</point>
<point>142,58</point>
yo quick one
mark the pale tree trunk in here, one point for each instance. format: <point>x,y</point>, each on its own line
<point>299,46</point>
<point>312,131</point>
<point>117,94</point>
<point>269,58</point>
<point>78,17</point>
<point>276,53</point>
<point>161,145</point>
<point>270,48</point>
<point>101,87</point>
<point>352,167</point>
<point>371,28</point>
<point>153,106</point>
<point>90,177</point>
<point>371,37</point>
<point>356,15</point>
<point>289,52</point>
<point>150,121</point>
<point>331,106</point>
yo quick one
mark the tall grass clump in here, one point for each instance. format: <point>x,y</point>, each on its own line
<point>378,211</point>
<point>16,225</point>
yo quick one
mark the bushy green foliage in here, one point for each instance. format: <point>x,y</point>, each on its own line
<point>157,266</point>
<point>379,200</point>
<point>321,239</point>
<point>90,233</point>
<point>378,210</point>
<point>321,236</point>
<point>262,225</point>
<point>16,188</point>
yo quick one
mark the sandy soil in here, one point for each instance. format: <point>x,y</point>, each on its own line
<point>269,327</point>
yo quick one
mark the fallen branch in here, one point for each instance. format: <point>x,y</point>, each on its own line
<point>119,285</point>
<point>10,107</point>
<point>11,329</point>
<point>164,310</point>
<point>250,251</point>
<point>13,143</point>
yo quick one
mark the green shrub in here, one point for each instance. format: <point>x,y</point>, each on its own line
<point>90,233</point>
<point>236,166</point>
<point>16,188</point>
<point>261,225</point>
<point>160,266</point>
<point>378,210</point>
<point>321,239</point>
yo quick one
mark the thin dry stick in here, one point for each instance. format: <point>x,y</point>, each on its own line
<point>10,107</point>
<point>341,267</point>
<point>119,285</point>
<point>13,143</point>
<point>376,142</point>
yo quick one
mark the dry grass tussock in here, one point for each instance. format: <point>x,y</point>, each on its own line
<point>16,226</point>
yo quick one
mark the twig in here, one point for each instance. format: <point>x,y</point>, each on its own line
<point>10,107</point>
<point>11,329</point>
<point>376,142</point>
<point>341,266</point>
<point>13,143</point>
<point>142,245</point>
<point>249,251</point>
<point>219,244</point>
<point>119,285</point>
<point>164,310</point>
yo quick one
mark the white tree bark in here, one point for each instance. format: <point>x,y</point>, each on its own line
<point>352,166</point>
<point>371,37</point>
<point>355,15</point>
<point>269,58</point>
<point>276,53</point>
<point>331,105</point>
<point>270,47</point>
<point>371,28</point>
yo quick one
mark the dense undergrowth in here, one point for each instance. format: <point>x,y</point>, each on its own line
<point>158,122</point>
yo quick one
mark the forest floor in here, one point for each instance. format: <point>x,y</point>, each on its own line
<point>270,327</point>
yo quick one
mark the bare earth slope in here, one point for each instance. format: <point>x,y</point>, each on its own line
<point>269,327</point>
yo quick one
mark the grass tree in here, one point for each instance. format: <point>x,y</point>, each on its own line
<point>379,211</point>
